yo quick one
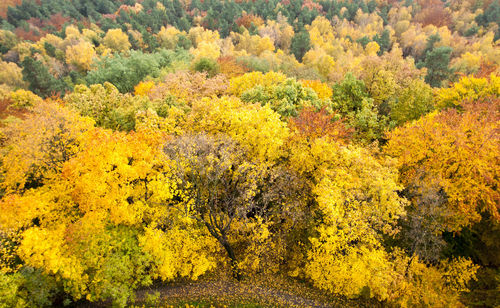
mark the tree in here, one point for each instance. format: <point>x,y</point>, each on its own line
<point>216,183</point>
<point>286,98</point>
<point>116,40</point>
<point>454,154</point>
<point>188,87</point>
<point>467,89</point>
<point>126,72</point>
<point>41,82</point>
<point>350,99</point>
<point>206,65</point>
<point>301,44</point>
<point>81,55</point>
<point>437,62</point>
<point>384,41</point>
<point>412,102</point>
<point>11,74</point>
<point>46,139</point>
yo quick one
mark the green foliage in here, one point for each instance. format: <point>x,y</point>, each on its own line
<point>437,62</point>
<point>27,288</point>
<point>254,63</point>
<point>126,72</point>
<point>301,43</point>
<point>384,41</point>
<point>491,15</point>
<point>208,66</point>
<point>286,98</point>
<point>350,98</point>
<point>413,102</point>
<point>111,109</point>
<point>41,82</point>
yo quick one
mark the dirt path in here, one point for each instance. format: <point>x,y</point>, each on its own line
<point>266,293</point>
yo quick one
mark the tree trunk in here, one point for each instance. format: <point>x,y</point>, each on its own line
<point>232,257</point>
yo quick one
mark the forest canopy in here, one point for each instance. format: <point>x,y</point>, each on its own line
<point>351,147</point>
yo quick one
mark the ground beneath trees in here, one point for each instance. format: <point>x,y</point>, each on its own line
<point>261,292</point>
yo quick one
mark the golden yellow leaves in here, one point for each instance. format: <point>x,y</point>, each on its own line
<point>81,55</point>
<point>457,152</point>
<point>259,129</point>
<point>468,89</point>
<point>181,251</point>
<point>322,89</point>
<point>238,85</point>
<point>116,40</point>
<point>113,174</point>
<point>37,147</point>
<point>143,88</point>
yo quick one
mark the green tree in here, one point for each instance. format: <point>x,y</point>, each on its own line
<point>41,82</point>
<point>437,62</point>
<point>126,72</point>
<point>208,66</point>
<point>301,43</point>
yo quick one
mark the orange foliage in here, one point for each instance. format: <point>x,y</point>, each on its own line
<point>486,69</point>
<point>4,4</point>
<point>229,67</point>
<point>30,35</point>
<point>311,5</point>
<point>312,124</point>
<point>188,87</point>
<point>433,13</point>
<point>458,153</point>
<point>246,20</point>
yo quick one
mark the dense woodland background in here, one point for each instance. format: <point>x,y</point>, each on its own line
<point>350,147</point>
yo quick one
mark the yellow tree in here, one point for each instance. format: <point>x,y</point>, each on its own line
<point>11,74</point>
<point>116,40</point>
<point>45,140</point>
<point>81,55</point>
<point>468,89</point>
<point>456,153</point>
<point>103,221</point>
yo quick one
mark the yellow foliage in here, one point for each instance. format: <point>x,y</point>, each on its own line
<point>358,196</point>
<point>240,84</point>
<point>252,44</point>
<point>200,34</point>
<point>206,49</point>
<point>46,249</point>
<point>24,99</point>
<point>322,89</point>
<point>320,60</point>
<point>116,40</point>
<point>458,273</point>
<point>11,74</point>
<point>43,141</point>
<point>188,86</point>
<point>188,243</point>
<point>81,55</point>
<point>143,88</point>
<point>468,89</point>
<point>72,32</point>
<point>257,128</point>
<point>372,48</point>
<point>168,37</point>
<point>109,173</point>
<point>455,152</point>
<point>321,32</point>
